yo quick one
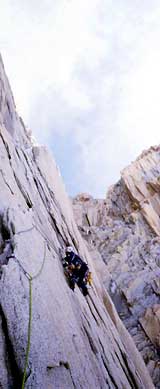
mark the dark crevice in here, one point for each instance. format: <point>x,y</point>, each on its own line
<point>125,367</point>
<point>45,181</point>
<point>42,193</point>
<point>6,254</point>
<point>109,374</point>
<point>51,193</point>
<point>16,148</point>
<point>56,227</point>
<point>93,314</point>
<point>27,161</point>
<point>6,146</point>
<point>85,317</point>
<point>69,233</point>
<point>5,232</point>
<point>126,372</point>
<point>24,194</point>
<point>87,218</point>
<point>102,346</point>
<point>16,374</point>
<point>68,241</point>
<point>65,364</point>
<point>46,203</point>
<point>5,181</point>
<point>132,377</point>
<point>74,241</point>
<point>91,342</point>
<point>98,313</point>
<point>23,163</point>
<point>74,385</point>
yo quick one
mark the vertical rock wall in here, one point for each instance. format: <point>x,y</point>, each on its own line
<point>123,239</point>
<point>76,342</point>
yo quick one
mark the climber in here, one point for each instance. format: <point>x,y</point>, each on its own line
<point>76,269</point>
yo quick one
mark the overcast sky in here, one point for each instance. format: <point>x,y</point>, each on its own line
<point>86,79</point>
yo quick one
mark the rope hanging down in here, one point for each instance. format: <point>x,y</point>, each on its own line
<point>30,278</point>
<point>42,233</point>
<point>29,334</point>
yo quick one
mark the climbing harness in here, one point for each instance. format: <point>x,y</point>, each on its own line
<point>89,278</point>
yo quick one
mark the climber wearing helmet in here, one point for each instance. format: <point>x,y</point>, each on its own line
<point>77,267</point>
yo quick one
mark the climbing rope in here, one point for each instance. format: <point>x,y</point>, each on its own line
<point>30,278</point>
<point>42,233</point>
<point>29,334</point>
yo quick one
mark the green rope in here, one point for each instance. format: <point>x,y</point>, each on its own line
<point>29,334</point>
<point>41,268</point>
<point>30,278</point>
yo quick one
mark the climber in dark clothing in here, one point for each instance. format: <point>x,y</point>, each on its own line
<point>77,267</point>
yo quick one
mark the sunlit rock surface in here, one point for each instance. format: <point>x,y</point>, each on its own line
<point>76,342</point>
<point>123,233</point>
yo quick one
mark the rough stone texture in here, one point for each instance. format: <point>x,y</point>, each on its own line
<point>151,324</point>
<point>123,233</point>
<point>76,342</point>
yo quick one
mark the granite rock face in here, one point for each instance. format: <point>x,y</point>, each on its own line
<point>76,342</point>
<point>123,236</point>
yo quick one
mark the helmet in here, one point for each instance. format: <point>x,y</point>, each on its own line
<point>69,249</point>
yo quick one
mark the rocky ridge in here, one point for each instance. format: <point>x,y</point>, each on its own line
<point>123,237</point>
<point>75,342</point>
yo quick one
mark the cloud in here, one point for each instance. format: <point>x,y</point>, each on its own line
<point>86,80</point>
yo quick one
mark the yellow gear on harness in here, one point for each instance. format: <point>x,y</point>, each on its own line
<point>89,278</point>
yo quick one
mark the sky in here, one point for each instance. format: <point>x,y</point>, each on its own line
<point>85,75</point>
